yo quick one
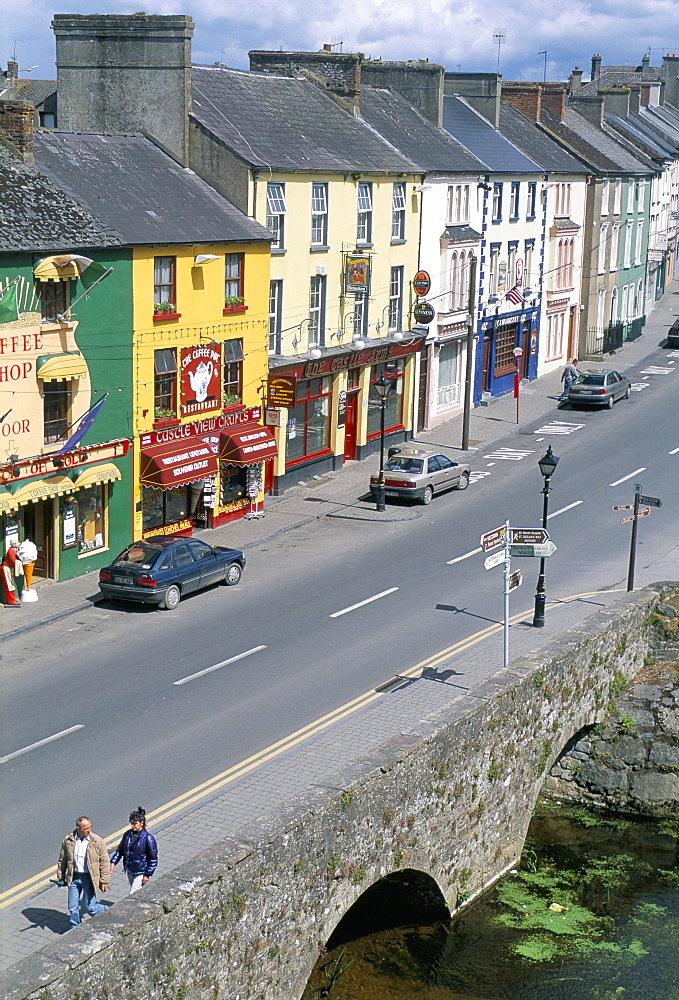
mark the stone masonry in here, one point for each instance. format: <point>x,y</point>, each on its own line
<point>449,800</point>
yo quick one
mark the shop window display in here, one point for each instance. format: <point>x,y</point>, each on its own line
<point>308,429</point>
<point>91,518</point>
<point>393,413</point>
<point>233,483</point>
<point>162,507</point>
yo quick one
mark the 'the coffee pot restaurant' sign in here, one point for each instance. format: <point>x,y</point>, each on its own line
<point>201,379</point>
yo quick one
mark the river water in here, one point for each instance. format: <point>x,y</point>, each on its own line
<point>591,913</point>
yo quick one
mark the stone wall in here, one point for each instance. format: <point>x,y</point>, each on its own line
<point>629,762</point>
<point>449,799</point>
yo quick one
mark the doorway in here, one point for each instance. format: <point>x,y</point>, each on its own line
<point>350,422</point>
<point>38,526</point>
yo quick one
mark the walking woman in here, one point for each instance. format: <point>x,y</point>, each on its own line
<point>139,851</point>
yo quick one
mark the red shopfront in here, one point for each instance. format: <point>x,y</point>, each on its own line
<point>204,473</point>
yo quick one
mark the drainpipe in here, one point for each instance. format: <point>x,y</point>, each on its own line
<point>255,178</point>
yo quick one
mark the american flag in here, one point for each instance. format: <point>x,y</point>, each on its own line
<point>515,295</point>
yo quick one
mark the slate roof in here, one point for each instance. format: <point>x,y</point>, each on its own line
<point>637,131</point>
<point>619,76</point>
<point>36,91</point>
<point>565,223</point>
<point>287,123</point>
<point>460,234</point>
<point>591,144</point>
<point>525,134</point>
<point>478,135</point>
<point>138,191</point>
<point>36,215</point>
<point>397,121</point>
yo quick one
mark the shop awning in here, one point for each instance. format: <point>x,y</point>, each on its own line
<point>250,443</point>
<point>6,500</point>
<point>57,268</point>
<point>168,465</point>
<point>107,472</point>
<point>41,489</point>
<point>60,367</point>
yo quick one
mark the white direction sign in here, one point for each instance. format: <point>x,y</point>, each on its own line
<point>534,551</point>
<point>496,559</point>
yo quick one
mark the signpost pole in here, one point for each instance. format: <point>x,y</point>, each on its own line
<point>507,574</point>
<point>471,303</point>
<point>633,544</point>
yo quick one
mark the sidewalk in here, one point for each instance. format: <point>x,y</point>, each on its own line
<point>343,493</point>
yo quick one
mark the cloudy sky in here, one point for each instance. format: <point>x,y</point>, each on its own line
<point>462,36</point>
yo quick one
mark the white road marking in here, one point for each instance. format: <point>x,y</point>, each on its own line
<point>489,464</point>
<point>674,452</point>
<point>563,509</point>
<point>625,478</point>
<point>475,476</point>
<point>638,386</point>
<point>451,562</point>
<point>368,600</point>
<point>40,743</point>
<point>559,427</point>
<point>656,370</point>
<point>511,454</point>
<point>224,663</point>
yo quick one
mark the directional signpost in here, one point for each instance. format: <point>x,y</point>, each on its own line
<point>492,539</point>
<point>637,512</point>
<point>539,551</point>
<point>651,501</point>
<point>515,580</point>
<point>529,536</point>
<point>494,560</point>
<point>642,512</point>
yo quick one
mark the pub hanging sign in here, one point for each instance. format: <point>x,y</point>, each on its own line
<point>201,379</point>
<point>357,274</point>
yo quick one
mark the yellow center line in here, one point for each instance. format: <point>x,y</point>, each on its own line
<point>244,767</point>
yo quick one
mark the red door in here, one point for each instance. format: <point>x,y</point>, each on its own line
<point>350,420</point>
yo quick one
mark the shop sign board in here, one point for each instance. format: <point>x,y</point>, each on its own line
<point>282,390</point>
<point>201,379</point>
<point>68,522</point>
<point>43,465</point>
<point>357,273</point>
<point>179,528</point>
<point>421,283</point>
<point>423,312</point>
<point>201,428</point>
<point>341,408</point>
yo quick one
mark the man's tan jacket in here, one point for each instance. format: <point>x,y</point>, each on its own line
<point>98,864</point>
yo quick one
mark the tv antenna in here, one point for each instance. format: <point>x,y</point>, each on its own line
<point>499,39</point>
<point>543,52</point>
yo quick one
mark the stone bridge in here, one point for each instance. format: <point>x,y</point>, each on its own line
<point>424,822</point>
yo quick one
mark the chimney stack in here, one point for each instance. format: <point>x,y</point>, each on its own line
<point>420,82</point>
<point>337,74</point>
<point>525,97</point>
<point>575,82</point>
<point>16,127</point>
<point>481,90</point>
<point>596,67</point>
<point>591,108</point>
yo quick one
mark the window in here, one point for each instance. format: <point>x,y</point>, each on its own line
<point>497,202</point>
<point>91,518</point>
<point>628,244</point>
<point>614,306</point>
<point>555,331</point>
<point>600,312</point>
<point>319,215</point>
<point>528,277</point>
<point>398,212</point>
<point>48,119</point>
<point>459,280</point>
<point>448,388</point>
<point>364,222</point>
<point>395,299</point>
<point>56,399</point>
<point>615,246</point>
<point>637,245</point>
<point>233,371</point>
<point>317,311</point>
<point>393,410</point>
<point>532,199</point>
<point>514,200</point>
<point>308,428</point>
<point>617,196</point>
<point>564,259</point>
<point>511,265</point>
<point>275,316</point>
<point>603,236</point>
<point>234,265</point>
<point>165,383</point>
<point>563,200</point>
<point>164,276</point>
<point>605,196</point>
<point>160,507</point>
<point>275,214</point>
<point>361,315</point>
<point>493,270</point>
<point>505,342</point>
<point>458,204</point>
<point>630,196</point>
<point>55,300</point>
<point>232,483</point>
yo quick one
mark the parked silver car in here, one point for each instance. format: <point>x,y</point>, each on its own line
<point>417,475</point>
<point>599,389</point>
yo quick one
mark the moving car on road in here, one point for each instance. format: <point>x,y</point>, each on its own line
<point>418,475</point>
<point>599,389</point>
<point>161,570</point>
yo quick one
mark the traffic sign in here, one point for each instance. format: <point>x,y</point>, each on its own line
<point>493,538</point>
<point>643,512</point>
<point>515,580</point>
<point>651,501</point>
<point>496,559</point>
<point>529,536</point>
<point>534,551</point>
<point>623,506</point>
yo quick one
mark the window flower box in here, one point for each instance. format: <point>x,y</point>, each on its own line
<point>234,304</point>
<point>170,422</point>
<point>165,310</point>
<point>160,317</point>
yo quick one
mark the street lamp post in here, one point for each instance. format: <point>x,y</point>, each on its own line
<point>547,465</point>
<point>382,388</point>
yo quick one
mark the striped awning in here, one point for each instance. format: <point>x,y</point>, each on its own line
<point>57,268</point>
<point>41,489</point>
<point>61,367</point>
<point>107,472</point>
<point>248,444</point>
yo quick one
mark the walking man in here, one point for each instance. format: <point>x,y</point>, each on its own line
<point>84,866</point>
<point>568,377</point>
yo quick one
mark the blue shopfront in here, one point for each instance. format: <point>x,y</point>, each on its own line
<point>501,339</point>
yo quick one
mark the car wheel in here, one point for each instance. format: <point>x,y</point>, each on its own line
<point>233,574</point>
<point>464,481</point>
<point>427,495</point>
<point>609,404</point>
<point>628,392</point>
<point>172,598</point>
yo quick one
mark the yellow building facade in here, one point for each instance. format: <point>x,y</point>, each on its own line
<point>200,369</point>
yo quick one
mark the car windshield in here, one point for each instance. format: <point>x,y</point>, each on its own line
<point>401,463</point>
<point>592,380</point>
<point>140,554</point>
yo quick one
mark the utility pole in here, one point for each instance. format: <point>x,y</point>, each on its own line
<point>471,310</point>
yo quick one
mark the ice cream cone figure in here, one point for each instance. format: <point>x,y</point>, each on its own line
<point>28,553</point>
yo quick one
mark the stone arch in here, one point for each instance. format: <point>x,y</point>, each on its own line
<point>402,897</point>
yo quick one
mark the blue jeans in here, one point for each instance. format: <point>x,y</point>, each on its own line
<point>566,386</point>
<point>82,884</point>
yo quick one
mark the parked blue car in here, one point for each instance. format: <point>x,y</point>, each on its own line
<point>160,570</point>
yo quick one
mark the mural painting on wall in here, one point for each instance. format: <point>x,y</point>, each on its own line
<point>201,379</point>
